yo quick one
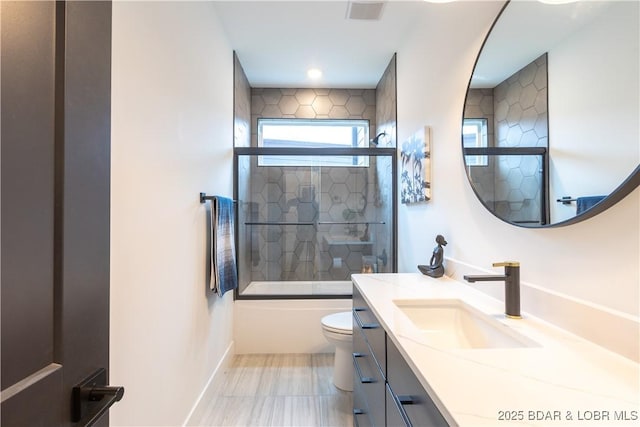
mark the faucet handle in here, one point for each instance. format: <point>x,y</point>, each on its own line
<point>506,264</point>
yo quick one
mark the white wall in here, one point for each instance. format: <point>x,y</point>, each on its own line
<point>171,139</point>
<point>591,84</point>
<point>597,260</point>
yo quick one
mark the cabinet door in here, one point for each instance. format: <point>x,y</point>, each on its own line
<point>365,319</point>
<point>418,406</point>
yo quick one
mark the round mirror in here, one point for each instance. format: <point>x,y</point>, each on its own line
<point>551,123</point>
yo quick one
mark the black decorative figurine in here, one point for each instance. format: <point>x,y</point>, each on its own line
<point>435,268</point>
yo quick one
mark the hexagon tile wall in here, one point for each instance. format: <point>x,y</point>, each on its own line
<point>273,103</point>
<point>300,252</point>
<point>516,112</point>
<point>349,209</point>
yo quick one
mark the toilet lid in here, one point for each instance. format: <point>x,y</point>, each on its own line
<point>340,323</point>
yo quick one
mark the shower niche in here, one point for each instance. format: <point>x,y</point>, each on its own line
<point>309,218</point>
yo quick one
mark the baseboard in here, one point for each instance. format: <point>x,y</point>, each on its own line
<point>611,329</point>
<point>208,393</point>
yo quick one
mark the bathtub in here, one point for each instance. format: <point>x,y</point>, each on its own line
<point>286,326</point>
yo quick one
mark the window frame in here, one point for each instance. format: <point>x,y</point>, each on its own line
<point>357,142</point>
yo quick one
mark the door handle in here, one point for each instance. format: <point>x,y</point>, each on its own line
<point>92,398</point>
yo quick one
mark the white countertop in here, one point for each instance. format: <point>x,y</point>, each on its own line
<point>565,381</point>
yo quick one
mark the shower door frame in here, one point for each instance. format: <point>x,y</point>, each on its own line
<point>543,152</point>
<point>320,152</point>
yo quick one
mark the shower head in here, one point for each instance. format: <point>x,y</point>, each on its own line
<point>375,141</point>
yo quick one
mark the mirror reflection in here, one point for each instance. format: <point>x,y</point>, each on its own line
<point>551,120</point>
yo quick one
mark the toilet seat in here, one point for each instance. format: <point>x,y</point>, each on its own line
<point>338,323</point>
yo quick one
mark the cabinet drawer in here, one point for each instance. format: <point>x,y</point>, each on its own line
<point>360,407</point>
<point>369,384</point>
<point>360,344</point>
<point>418,406</point>
<point>365,319</point>
<point>395,414</point>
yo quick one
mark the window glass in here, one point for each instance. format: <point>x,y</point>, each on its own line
<point>318,133</point>
<point>474,135</point>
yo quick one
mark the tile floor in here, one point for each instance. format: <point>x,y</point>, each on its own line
<point>280,390</point>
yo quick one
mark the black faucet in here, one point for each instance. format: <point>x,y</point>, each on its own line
<point>511,278</point>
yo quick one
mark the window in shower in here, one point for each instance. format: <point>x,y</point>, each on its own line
<point>474,135</point>
<point>305,223</point>
<point>313,133</point>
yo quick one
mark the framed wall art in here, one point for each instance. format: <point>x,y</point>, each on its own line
<point>415,173</point>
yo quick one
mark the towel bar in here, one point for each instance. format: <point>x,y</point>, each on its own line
<point>204,198</point>
<point>351,223</point>
<point>279,223</point>
<point>566,200</point>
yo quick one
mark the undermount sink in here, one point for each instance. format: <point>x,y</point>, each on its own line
<point>453,324</point>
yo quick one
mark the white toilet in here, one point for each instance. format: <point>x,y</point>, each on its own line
<point>338,330</point>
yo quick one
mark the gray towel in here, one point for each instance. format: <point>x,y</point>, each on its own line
<point>585,203</point>
<point>224,274</point>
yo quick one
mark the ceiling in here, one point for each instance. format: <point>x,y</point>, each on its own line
<point>526,30</point>
<point>278,41</point>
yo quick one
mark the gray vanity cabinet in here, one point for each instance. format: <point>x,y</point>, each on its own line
<point>369,361</point>
<point>412,402</point>
<point>386,392</point>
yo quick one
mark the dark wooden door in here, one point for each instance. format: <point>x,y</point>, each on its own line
<point>55,171</point>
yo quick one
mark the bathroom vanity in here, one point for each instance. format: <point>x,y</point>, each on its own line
<point>385,392</point>
<point>436,352</point>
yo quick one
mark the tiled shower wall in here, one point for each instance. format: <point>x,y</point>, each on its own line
<point>241,138</point>
<point>386,116</point>
<point>480,105</point>
<point>318,195</point>
<point>241,106</point>
<point>312,104</point>
<point>386,105</point>
<point>289,252</point>
<point>298,252</point>
<point>517,110</point>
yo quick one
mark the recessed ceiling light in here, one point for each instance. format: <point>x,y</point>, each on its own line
<point>314,73</point>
